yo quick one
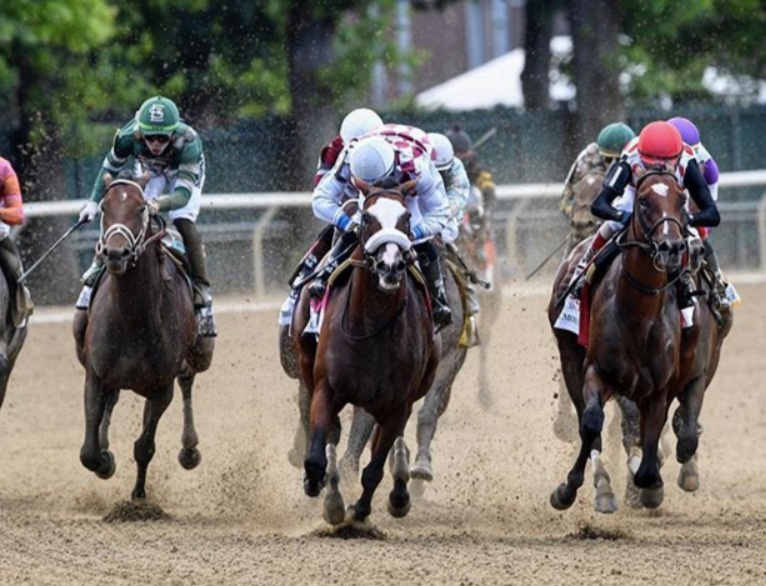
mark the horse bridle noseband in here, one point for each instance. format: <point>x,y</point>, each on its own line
<point>136,242</point>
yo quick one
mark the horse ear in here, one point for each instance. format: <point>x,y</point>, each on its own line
<point>409,187</point>
<point>108,179</point>
<point>362,185</point>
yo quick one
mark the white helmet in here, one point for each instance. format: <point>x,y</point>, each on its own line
<point>357,123</point>
<point>372,159</point>
<point>445,154</point>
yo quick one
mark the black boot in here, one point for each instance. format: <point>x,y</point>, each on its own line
<point>339,252</point>
<point>719,285</point>
<point>439,306</point>
<point>195,253</point>
<point>21,301</point>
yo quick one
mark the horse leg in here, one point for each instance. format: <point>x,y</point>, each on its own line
<point>565,424</point>
<point>298,452</point>
<point>143,448</point>
<point>322,415</point>
<point>434,406</point>
<point>334,511</point>
<point>605,501</point>
<point>686,428</point>
<point>103,429</point>
<point>647,477</point>
<point>361,429</point>
<point>630,422</point>
<point>399,498</point>
<point>591,423</point>
<point>189,457</point>
<point>93,457</point>
<point>385,435</point>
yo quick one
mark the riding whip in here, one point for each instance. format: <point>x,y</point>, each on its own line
<point>547,258</point>
<point>45,254</point>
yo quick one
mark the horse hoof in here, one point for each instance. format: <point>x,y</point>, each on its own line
<point>560,500</point>
<point>334,511</point>
<point>688,477</point>
<point>422,470</point>
<point>633,495</point>
<point>357,513</point>
<point>606,503</point>
<point>312,488</point>
<point>652,498</point>
<point>108,465</point>
<point>189,458</point>
<point>400,509</point>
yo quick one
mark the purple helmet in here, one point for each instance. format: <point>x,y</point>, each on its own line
<point>688,130</point>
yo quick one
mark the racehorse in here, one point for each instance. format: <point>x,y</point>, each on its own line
<point>636,347</point>
<point>476,243</point>
<point>582,223</point>
<point>11,338</point>
<point>140,333</point>
<point>375,350</point>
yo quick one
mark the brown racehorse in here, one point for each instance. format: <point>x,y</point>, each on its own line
<point>140,333</point>
<point>636,347</point>
<point>11,338</point>
<point>375,350</point>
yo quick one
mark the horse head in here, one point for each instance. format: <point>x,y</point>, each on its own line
<point>124,223</point>
<point>581,221</point>
<point>384,232</point>
<point>660,218</point>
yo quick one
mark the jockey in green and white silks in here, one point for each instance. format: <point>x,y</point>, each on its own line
<point>159,142</point>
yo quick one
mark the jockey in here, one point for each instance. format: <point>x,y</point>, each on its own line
<point>12,214</point>
<point>458,189</point>
<point>597,156</point>
<point>709,168</point>
<point>658,146</point>
<point>356,124</point>
<point>404,153</point>
<point>171,151</point>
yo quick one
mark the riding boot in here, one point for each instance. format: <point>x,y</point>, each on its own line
<point>719,286</point>
<point>685,298</point>
<point>195,254</point>
<point>435,282</point>
<point>339,252</point>
<point>595,245</point>
<point>22,306</point>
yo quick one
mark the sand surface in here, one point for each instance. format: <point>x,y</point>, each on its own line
<point>242,517</point>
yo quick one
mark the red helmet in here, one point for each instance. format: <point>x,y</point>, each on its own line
<point>660,143</point>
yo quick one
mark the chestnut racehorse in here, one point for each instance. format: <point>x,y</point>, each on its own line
<point>636,347</point>
<point>375,350</point>
<point>140,333</point>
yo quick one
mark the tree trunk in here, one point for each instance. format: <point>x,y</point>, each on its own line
<point>538,30</point>
<point>595,25</point>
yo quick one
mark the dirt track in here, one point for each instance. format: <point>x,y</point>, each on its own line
<point>242,517</point>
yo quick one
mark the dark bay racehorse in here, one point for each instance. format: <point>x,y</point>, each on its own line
<point>637,348</point>
<point>376,350</point>
<point>11,338</point>
<point>140,333</point>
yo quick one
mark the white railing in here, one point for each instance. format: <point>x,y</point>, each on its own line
<point>272,202</point>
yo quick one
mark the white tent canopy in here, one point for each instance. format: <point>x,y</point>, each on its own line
<point>496,83</point>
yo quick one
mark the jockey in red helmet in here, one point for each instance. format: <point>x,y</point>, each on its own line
<point>658,146</point>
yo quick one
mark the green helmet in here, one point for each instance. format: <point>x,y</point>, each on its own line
<point>613,138</point>
<point>158,115</point>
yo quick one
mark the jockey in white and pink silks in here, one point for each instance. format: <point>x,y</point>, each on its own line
<point>659,145</point>
<point>403,153</point>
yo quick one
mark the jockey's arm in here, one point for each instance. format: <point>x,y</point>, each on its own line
<point>115,160</point>
<point>327,158</point>
<point>694,182</point>
<point>433,203</point>
<point>458,189</point>
<point>189,175</point>
<point>709,169</point>
<point>614,185</point>
<point>327,196</point>
<point>13,211</point>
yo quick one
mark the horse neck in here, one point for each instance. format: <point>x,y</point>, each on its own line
<point>640,266</point>
<point>367,304</point>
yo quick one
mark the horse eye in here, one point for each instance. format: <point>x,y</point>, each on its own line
<point>643,203</point>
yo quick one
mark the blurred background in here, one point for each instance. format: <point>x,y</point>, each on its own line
<point>267,82</point>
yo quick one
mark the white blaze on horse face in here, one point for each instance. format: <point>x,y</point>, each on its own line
<point>391,254</point>
<point>387,212</point>
<point>665,227</point>
<point>660,189</point>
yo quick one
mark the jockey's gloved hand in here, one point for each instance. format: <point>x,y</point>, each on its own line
<point>153,208</point>
<point>88,211</point>
<point>625,218</point>
<point>346,223</point>
<point>417,233</point>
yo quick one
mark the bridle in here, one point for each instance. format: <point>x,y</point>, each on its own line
<point>649,244</point>
<point>137,243</point>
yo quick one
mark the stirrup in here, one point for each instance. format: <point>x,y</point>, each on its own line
<point>206,322</point>
<point>442,317</point>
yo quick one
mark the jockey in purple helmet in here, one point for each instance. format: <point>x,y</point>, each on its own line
<point>709,168</point>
